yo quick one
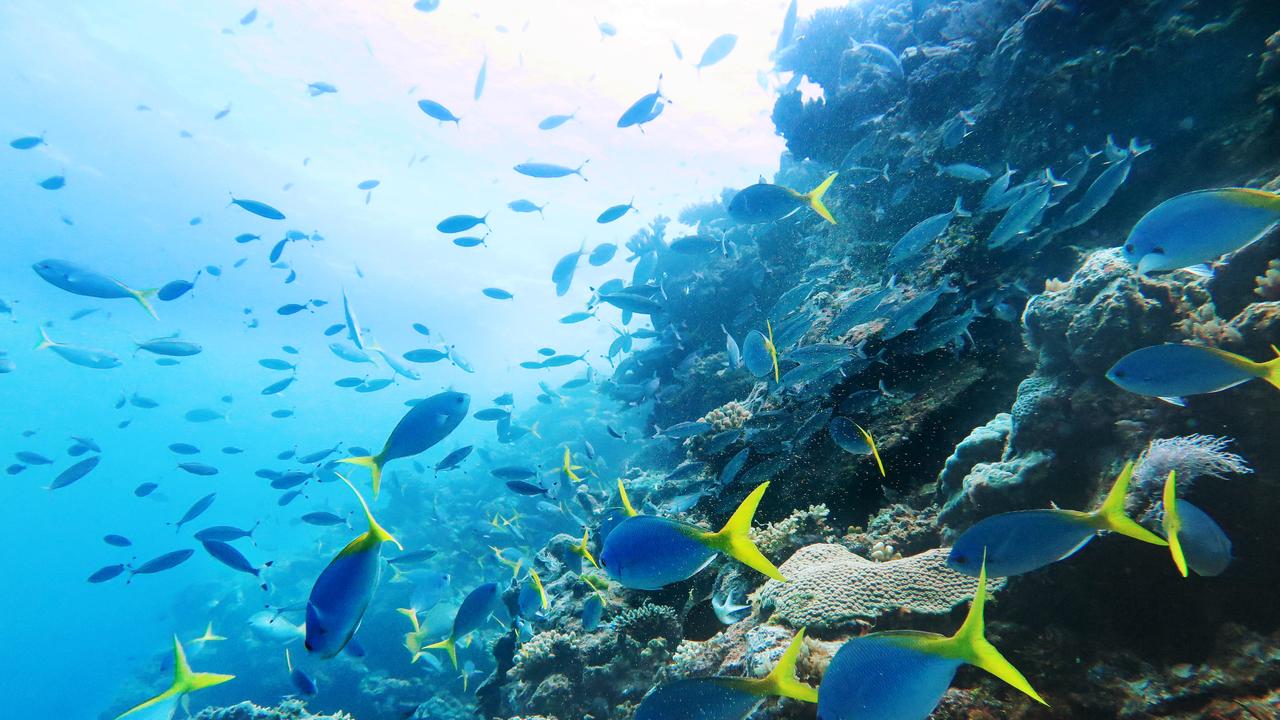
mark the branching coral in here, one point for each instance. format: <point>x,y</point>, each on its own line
<point>1191,456</point>
<point>648,622</point>
<point>1268,283</point>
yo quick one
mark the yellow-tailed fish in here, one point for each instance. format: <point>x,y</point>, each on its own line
<point>185,681</point>
<point>472,613</point>
<point>426,424</point>
<point>1172,523</point>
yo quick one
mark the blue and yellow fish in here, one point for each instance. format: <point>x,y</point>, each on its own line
<point>1172,371</point>
<point>426,424</point>
<point>1193,229</point>
<point>1195,540</point>
<point>472,613</point>
<point>185,681</point>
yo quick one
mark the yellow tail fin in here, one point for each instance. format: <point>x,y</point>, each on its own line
<point>184,681</point>
<point>626,502</point>
<point>581,550</point>
<point>814,198</point>
<point>46,343</point>
<point>374,465</point>
<point>376,534</point>
<point>542,592</point>
<point>1173,523</point>
<point>1272,369</point>
<point>1110,515</point>
<point>970,644</point>
<point>773,351</point>
<point>143,298</point>
<point>412,615</point>
<point>781,681</point>
<point>871,443</point>
<point>734,539</point>
<point>448,646</point>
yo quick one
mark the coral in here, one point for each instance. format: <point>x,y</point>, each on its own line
<point>286,710</point>
<point>649,622</point>
<point>1268,283</point>
<point>907,530</point>
<point>1192,456</point>
<point>729,416</point>
<point>834,590</point>
<point>992,487</point>
<point>801,527</point>
<point>984,444</point>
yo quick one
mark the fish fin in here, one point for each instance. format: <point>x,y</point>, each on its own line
<point>581,549</point>
<point>1272,369</point>
<point>970,644</point>
<point>734,539</point>
<point>1180,402</point>
<point>871,443</point>
<point>1172,523</point>
<point>626,502</point>
<point>814,198</point>
<point>376,531</point>
<point>1110,515</point>
<point>448,646</point>
<point>45,342</point>
<point>412,614</point>
<point>773,351</point>
<point>1204,270</point>
<point>959,211</point>
<point>142,296</point>
<point>781,681</point>
<point>371,462</point>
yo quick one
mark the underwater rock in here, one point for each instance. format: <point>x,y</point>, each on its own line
<point>286,710</point>
<point>832,590</point>
<point>904,529</point>
<point>984,444</point>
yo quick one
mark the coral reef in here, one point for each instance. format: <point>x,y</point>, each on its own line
<point>287,710</point>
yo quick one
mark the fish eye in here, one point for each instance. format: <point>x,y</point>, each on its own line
<point>1128,247</point>
<point>1157,250</point>
<point>960,558</point>
<point>1118,373</point>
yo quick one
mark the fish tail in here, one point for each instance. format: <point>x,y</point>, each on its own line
<point>1111,516</point>
<point>626,502</point>
<point>143,298</point>
<point>371,462</point>
<point>734,539</point>
<point>1172,523</point>
<point>448,646</point>
<point>1272,369</point>
<point>970,644</point>
<point>412,614</point>
<point>375,530</point>
<point>814,198</point>
<point>959,210</point>
<point>875,451</point>
<point>781,681</point>
<point>578,170</point>
<point>45,342</point>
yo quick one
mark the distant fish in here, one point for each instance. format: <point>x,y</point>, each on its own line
<point>84,357</point>
<point>54,182</point>
<point>232,558</point>
<point>963,171</point>
<point>549,170</point>
<point>368,184</point>
<point>323,519</point>
<point>104,574</point>
<point>717,50</point>
<point>196,510</point>
<point>302,682</point>
<point>468,241</point>
<point>75,472</point>
<point>426,355</point>
<point>80,280</point>
<point>759,356</point>
<point>421,329</point>
<point>145,489</point>
<point>472,613</point>
<point>576,317</point>
<point>562,273</point>
<point>27,142</point>
<point>224,533</point>
<point>616,211</point>
<point>260,209</point>
<point>439,112</point>
<point>607,29</point>
<point>1172,371</point>
<point>525,206</point>
<point>1193,229</point>
<point>203,415</point>
<point>197,468</point>
<point>644,110</point>
<point>522,487</point>
<point>321,88</point>
<point>461,223</point>
<point>176,289</point>
<point>249,17</point>
<point>167,561</point>
<point>350,354</point>
<point>426,424</point>
<point>276,364</point>
<point>342,592</point>
<point>764,202</point>
<point>551,122</point>
<point>279,386</point>
<point>853,438</point>
<point>1019,542</point>
<point>185,682</point>
<point>171,347</point>
<point>602,254</point>
<point>912,246</point>
<point>481,77</point>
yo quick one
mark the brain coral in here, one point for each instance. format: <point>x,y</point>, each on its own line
<point>832,589</point>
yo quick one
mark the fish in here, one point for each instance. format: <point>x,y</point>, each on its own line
<point>426,355</point>
<point>728,612</point>
<point>426,424</point>
<point>644,110</point>
<point>497,294</point>
<point>27,142</point>
<point>117,540</point>
<point>439,112</point>
<point>995,196</point>
<point>513,472</point>
<point>1189,231</point>
<point>764,202</point>
<point>683,430</point>
<point>615,212</point>
<point>279,386</point>
<point>82,356</point>
<point>903,317</point>
<point>696,245</point>
<point>1100,192</point>
<point>302,682</point>
<point>145,489</point>
<point>175,289</point>
<point>269,626</point>
<point>106,573</point>
<point>323,519</point>
<point>277,364</point>
<point>592,612</point>
<point>759,356</point>
<point>853,438</point>
<point>963,171</point>
<point>911,247</point>
<point>526,206</point>
<point>350,354</point>
<point>341,593</point>
<point>491,414</point>
<point>196,510</point>
<point>185,682</point>
<point>79,280</point>
<point>1014,543</point>
<point>321,88</point>
<point>481,76</point>
<point>549,170</point>
<point>646,552</point>
<point>74,473</point>
<point>1195,540</point>
<point>203,415</point>
<point>562,273</point>
<point>717,50</point>
<point>461,223</point>
<point>727,698</point>
<point>521,487</point>
<point>53,182</point>
<point>1173,371</point>
<point>249,17</point>
<point>1023,215</point>
<point>160,563</point>
<point>224,533</point>
<point>472,613</point>
<point>903,674</point>
<point>632,302</point>
<point>260,209</point>
<point>882,55</point>
<point>229,556</point>
<point>171,347</point>
<point>551,122</point>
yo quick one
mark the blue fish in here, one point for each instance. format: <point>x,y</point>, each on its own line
<point>614,212</point>
<point>185,681</point>
<point>341,594</point>
<point>1171,371</point>
<point>302,682</point>
<point>1195,540</point>
<point>461,223</point>
<point>646,552</point>
<point>1189,230</point>
<point>718,50</point>
<point>592,611</point>
<point>439,112</point>
<point>1018,542</point>
<point>260,209</point>
<point>765,202</point>
<point>426,424</point>
<point>759,355</point>
<point>727,698</point>
<point>79,280</point>
<point>903,674</point>
<point>644,110</point>
<point>550,170</point>
<point>472,613</point>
